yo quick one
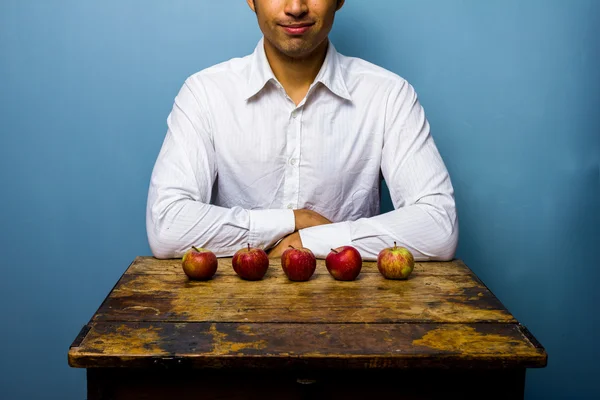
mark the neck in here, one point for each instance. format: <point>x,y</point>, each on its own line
<point>296,74</point>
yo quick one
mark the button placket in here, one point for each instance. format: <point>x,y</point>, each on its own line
<point>290,187</point>
<point>295,156</point>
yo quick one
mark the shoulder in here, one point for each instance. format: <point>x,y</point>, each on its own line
<point>228,74</point>
<point>361,72</point>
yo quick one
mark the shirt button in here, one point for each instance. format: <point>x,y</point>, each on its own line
<point>294,114</point>
<point>293,161</point>
<point>290,206</point>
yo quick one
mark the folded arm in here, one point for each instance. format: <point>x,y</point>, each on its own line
<point>424,218</point>
<point>179,213</point>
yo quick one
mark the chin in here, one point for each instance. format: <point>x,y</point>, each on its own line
<point>298,50</point>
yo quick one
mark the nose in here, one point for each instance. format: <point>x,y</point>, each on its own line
<point>296,8</point>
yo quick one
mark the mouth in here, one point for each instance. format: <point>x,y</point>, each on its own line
<point>296,29</point>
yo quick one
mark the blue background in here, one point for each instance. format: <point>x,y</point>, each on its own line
<point>511,88</point>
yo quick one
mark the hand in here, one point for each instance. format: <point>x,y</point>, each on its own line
<point>290,240</point>
<point>306,218</point>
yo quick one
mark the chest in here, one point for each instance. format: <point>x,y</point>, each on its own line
<point>323,135</point>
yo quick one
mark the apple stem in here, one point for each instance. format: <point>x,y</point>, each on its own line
<point>248,246</point>
<point>395,245</point>
<point>194,247</point>
<point>292,247</point>
<point>335,251</point>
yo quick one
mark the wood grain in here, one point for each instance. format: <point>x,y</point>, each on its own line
<point>271,345</point>
<point>442,316</point>
<point>153,290</point>
<point>371,298</point>
<point>152,266</point>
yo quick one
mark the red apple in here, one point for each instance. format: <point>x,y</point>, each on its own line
<point>344,263</point>
<point>250,263</point>
<point>298,264</point>
<point>395,262</point>
<point>199,264</point>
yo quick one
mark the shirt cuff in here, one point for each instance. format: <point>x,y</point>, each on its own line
<point>321,239</point>
<point>268,226</point>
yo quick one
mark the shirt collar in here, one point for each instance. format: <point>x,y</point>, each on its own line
<point>330,74</point>
<point>259,72</point>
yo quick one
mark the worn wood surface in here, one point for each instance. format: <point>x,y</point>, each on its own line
<point>152,266</point>
<point>350,346</point>
<point>442,316</point>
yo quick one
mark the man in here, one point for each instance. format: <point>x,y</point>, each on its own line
<point>286,147</point>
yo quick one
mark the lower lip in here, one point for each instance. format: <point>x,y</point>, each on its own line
<point>296,31</point>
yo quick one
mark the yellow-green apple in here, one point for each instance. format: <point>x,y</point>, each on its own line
<point>344,263</point>
<point>199,263</point>
<point>250,263</point>
<point>299,264</point>
<point>395,262</point>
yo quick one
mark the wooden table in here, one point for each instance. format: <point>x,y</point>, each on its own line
<point>440,333</point>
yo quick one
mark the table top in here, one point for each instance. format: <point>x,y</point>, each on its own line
<point>442,316</point>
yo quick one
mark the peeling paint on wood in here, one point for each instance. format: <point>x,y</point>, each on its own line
<point>224,347</point>
<point>319,345</point>
<point>467,340</point>
<point>442,316</point>
<point>371,299</point>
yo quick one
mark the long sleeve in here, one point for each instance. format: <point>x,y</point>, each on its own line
<point>424,219</point>
<point>179,213</point>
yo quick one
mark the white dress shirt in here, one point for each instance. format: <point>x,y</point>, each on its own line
<point>239,156</point>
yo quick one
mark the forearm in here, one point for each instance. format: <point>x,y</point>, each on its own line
<point>175,227</point>
<point>428,230</point>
